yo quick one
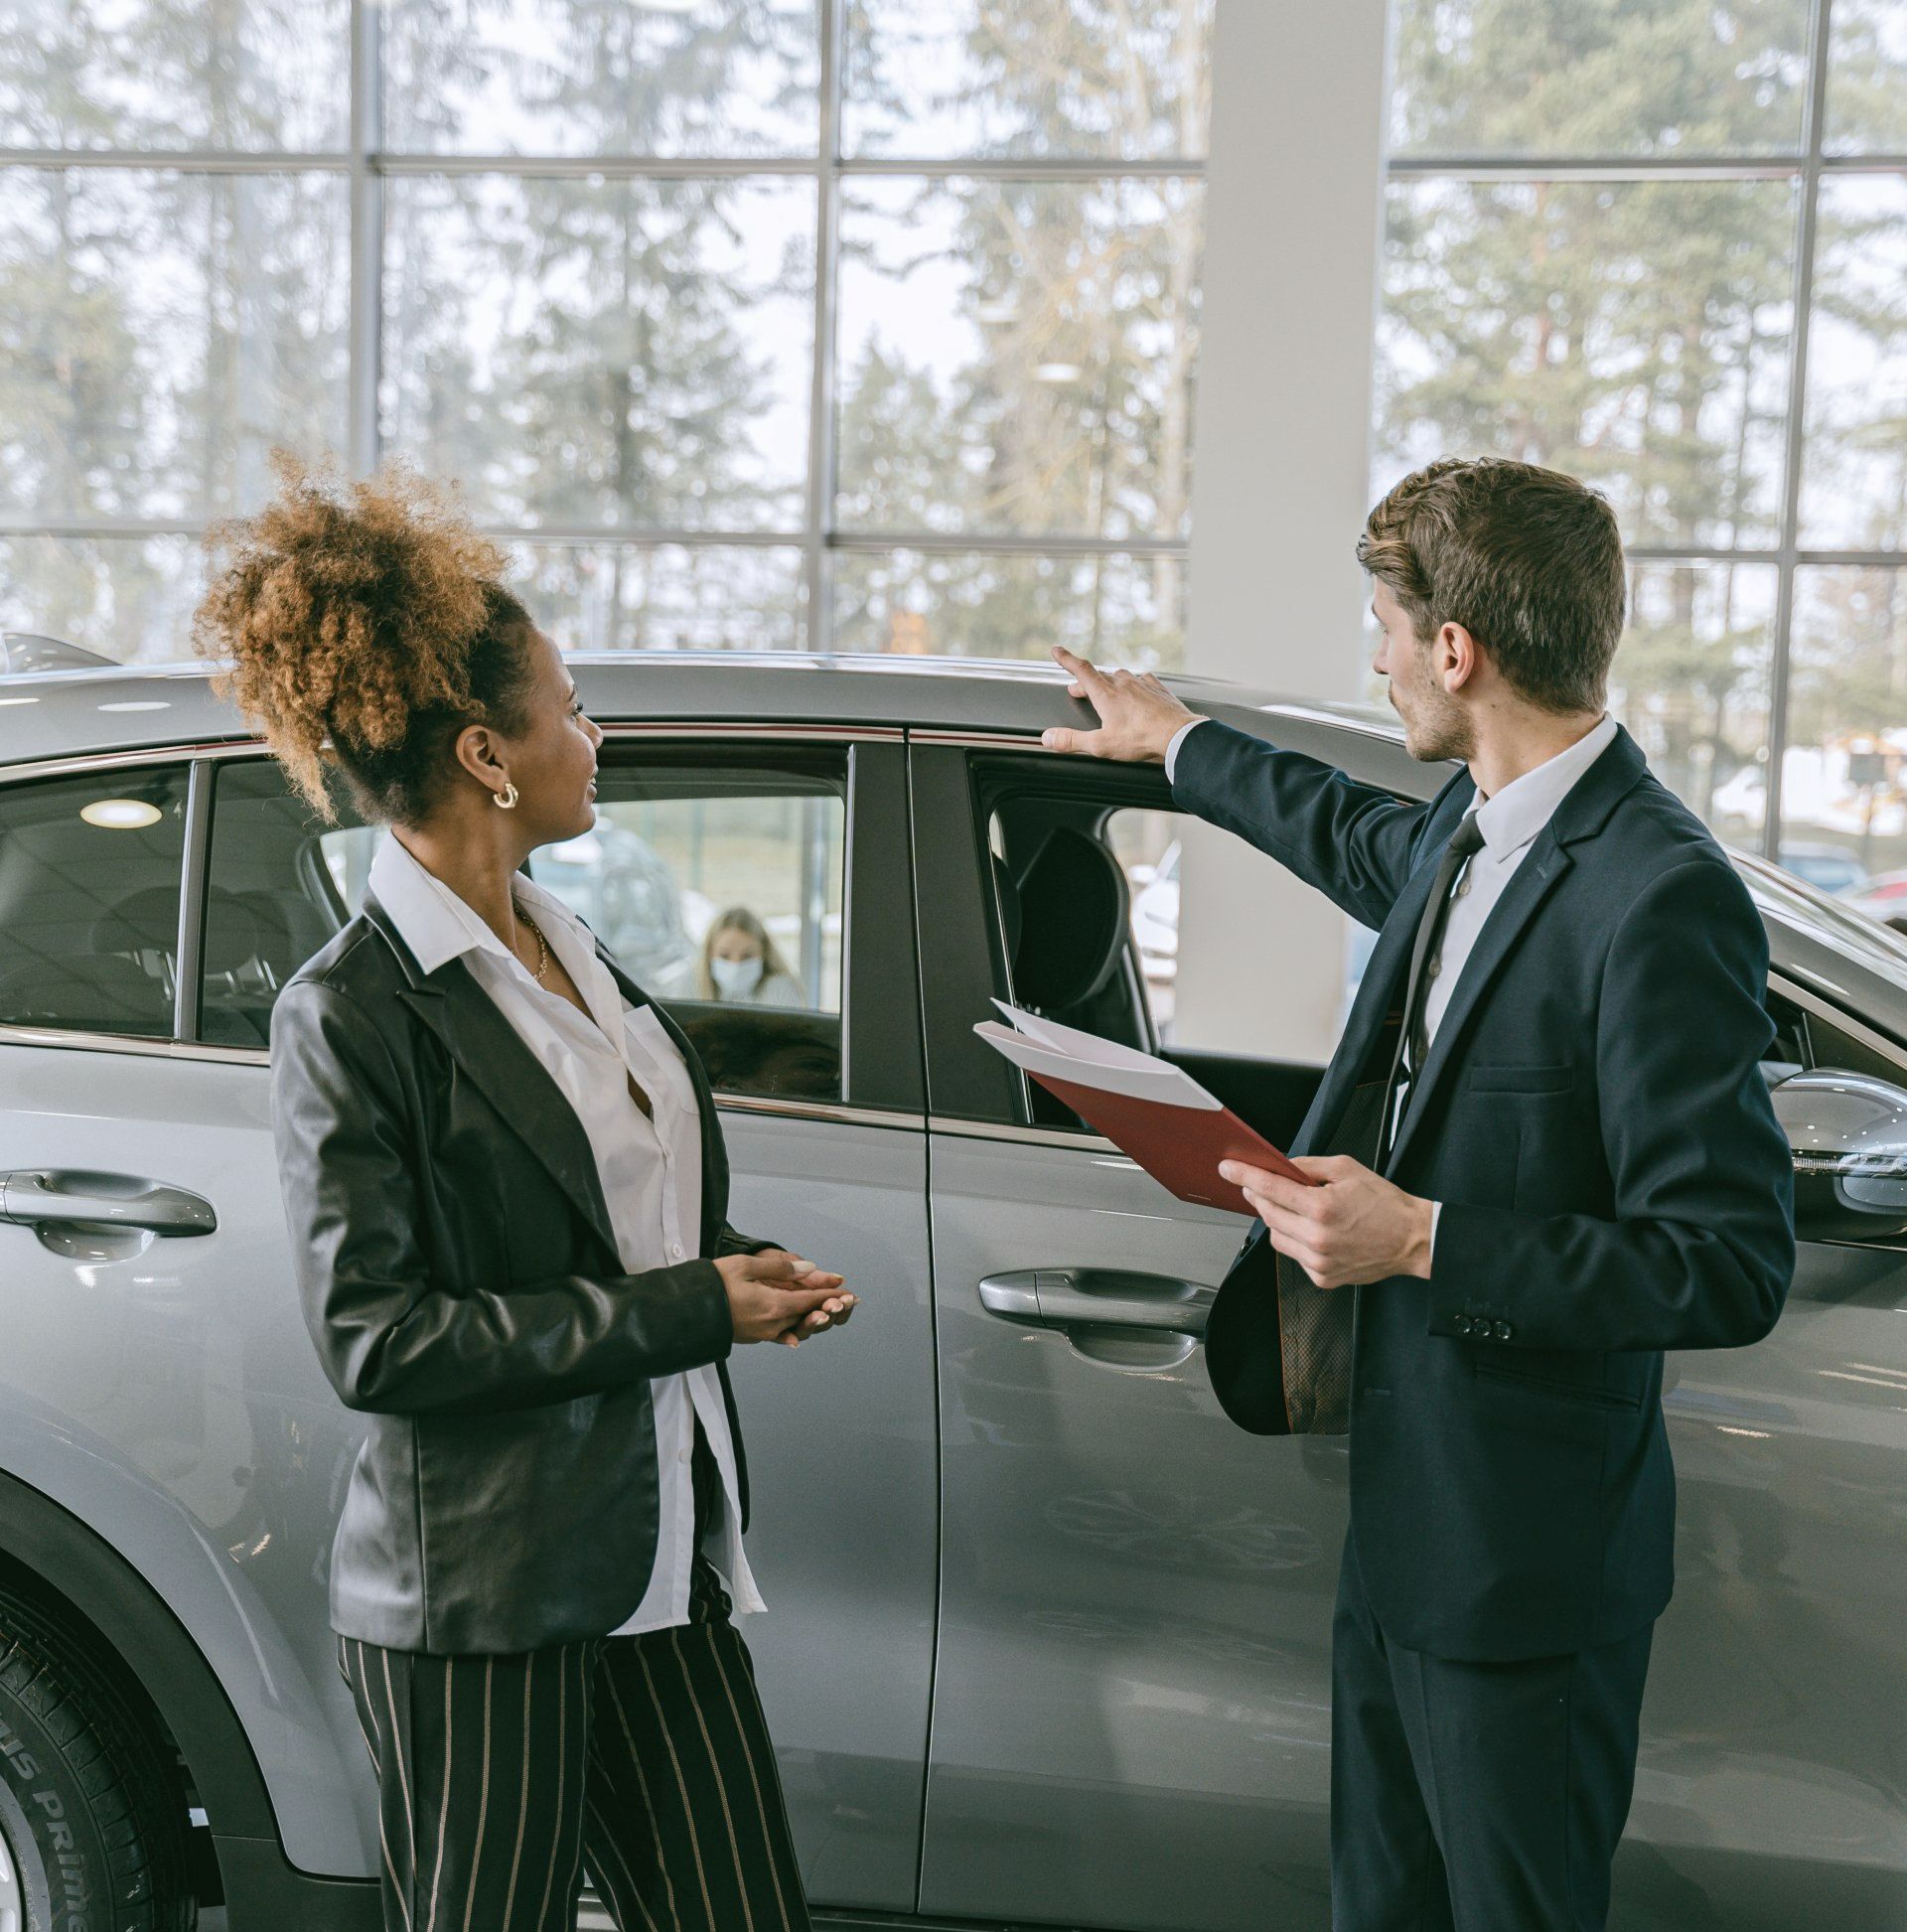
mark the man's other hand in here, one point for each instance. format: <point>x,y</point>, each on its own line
<point>1356,1228</point>
<point>1138,717</point>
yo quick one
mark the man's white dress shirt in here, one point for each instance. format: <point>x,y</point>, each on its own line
<point>651,1170</point>
<point>1510,822</point>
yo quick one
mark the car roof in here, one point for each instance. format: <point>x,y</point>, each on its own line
<point>71,713</point>
<point>50,715</point>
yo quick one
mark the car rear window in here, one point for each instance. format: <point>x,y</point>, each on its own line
<point>90,883</point>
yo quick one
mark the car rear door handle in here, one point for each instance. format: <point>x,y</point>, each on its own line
<point>1098,1297</point>
<point>42,1196</point>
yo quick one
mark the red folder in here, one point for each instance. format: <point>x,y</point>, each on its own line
<point>1150,1108</point>
<point>1179,1146</point>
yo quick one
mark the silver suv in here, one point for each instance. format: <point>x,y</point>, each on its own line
<point>1049,1637</point>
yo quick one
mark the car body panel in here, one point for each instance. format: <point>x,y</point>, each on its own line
<point>843,1462</point>
<point>60,714</point>
<point>168,1396</point>
<point>1132,1708</point>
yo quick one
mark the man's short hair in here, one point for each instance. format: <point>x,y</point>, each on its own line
<point>1527,561</point>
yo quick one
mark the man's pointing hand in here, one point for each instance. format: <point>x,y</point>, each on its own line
<point>1137,714</point>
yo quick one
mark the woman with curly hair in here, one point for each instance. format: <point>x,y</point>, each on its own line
<point>506,1191</point>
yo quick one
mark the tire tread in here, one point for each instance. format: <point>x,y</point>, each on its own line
<point>88,1704</point>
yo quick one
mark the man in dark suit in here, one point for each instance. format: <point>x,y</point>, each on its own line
<point>1543,1154</point>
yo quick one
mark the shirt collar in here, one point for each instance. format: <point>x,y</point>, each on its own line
<point>430,918</point>
<point>437,924</point>
<point>1510,818</point>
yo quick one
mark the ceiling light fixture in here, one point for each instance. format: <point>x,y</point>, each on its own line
<point>121,814</point>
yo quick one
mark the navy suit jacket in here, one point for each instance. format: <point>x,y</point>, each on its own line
<point>1593,1117</point>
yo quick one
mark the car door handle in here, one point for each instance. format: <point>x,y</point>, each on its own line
<point>1098,1297</point>
<point>38,1196</point>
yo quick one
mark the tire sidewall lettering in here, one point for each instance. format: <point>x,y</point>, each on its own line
<point>43,1812</point>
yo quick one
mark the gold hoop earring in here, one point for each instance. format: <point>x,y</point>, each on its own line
<point>505,799</point>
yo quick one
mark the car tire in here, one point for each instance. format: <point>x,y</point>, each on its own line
<point>93,1817</point>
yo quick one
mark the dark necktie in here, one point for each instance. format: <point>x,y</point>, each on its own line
<point>1466,840</point>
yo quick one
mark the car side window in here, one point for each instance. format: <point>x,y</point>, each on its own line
<point>1789,1051</point>
<point>1805,1040</point>
<point>1090,895</point>
<point>1151,848</point>
<point>716,881</point>
<point>279,882</point>
<point>90,885</point>
<point>1063,899</point>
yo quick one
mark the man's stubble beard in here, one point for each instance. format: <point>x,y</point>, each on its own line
<point>1439,727</point>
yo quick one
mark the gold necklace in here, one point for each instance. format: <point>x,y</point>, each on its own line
<point>542,945</point>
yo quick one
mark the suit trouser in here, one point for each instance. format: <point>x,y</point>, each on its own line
<point>647,1757</point>
<point>1474,1797</point>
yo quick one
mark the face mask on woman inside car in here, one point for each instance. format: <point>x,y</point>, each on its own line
<point>736,978</point>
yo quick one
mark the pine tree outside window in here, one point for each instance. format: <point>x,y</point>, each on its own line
<point>1663,243</point>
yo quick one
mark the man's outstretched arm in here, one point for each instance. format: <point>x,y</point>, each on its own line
<point>1355,843</point>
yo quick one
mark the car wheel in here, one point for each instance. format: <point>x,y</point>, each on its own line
<point>92,1822</point>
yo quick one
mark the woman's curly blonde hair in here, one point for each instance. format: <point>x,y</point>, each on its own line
<point>369,614</point>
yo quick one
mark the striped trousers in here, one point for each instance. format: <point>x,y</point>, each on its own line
<point>648,1758</point>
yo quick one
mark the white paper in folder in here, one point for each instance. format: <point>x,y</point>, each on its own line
<point>1044,1046</point>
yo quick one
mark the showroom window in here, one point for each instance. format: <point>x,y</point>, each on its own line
<point>833,323</point>
<point>1664,246</point>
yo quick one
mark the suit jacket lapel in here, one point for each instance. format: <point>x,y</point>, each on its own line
<point>1385,973</point>
<point>491,1054</point>
<point>1583,813</point>
<point>1379,992</point>
<point>1531,883</point>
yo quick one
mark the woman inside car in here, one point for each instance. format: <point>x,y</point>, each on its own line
<point>506,1191</point>
<point>742,964</point>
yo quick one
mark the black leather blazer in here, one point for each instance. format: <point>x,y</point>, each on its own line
<point>1593,1117</point>
<point>460,1281</point>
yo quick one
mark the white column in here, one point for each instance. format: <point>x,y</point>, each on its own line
<point>1281,443</point>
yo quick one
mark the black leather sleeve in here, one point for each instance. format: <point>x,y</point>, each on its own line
<point>1356,843</point>
<point>728,1242</point>
<point>392,1340</point>
<point>1702,1246</point>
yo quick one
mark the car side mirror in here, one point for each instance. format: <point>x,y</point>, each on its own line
<point>1847,1132</point>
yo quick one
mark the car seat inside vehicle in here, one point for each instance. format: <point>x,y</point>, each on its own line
<point>1072,915</point>
<point>1063,911</point>
<point>1065,922</point>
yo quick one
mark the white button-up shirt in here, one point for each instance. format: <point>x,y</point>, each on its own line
<point>651,1169</point>
<point>1510,822</point>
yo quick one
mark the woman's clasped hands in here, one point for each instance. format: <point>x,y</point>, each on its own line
<point>776,1297</point>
